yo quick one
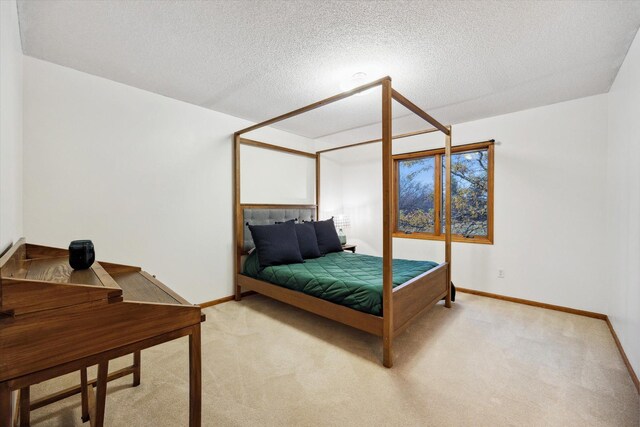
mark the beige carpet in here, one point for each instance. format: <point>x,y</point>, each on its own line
<point>483,363</point>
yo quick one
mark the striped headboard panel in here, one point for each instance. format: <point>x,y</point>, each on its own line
<point>265,216</point>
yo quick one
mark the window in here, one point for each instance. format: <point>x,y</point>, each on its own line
<point>420,197</point>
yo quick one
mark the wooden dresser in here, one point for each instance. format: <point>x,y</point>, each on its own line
<point>54,320</point>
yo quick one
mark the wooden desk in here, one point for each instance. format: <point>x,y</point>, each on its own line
<point>54,320</point>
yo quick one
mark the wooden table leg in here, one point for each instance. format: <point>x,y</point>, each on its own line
<point>195,378</point>
<point>84,392</point>
<point>137,362</point>
<point>101,394</point>
<point>5,405</point>
<point>25,407</point>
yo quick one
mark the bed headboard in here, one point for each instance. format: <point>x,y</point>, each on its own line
<point>271,215</point>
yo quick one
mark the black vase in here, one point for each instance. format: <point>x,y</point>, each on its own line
<point>81,254</point>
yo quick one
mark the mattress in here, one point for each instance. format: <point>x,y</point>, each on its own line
<point>352,280</point>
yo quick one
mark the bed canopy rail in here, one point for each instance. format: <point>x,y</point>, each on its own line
<point>411,298</point>
<point>315,105</point>
<point>254,143</point>
<point>373,141</point>
<point>415,109</point>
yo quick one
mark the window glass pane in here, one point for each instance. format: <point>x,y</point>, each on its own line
<point>469,193</point>
<point>416,194</point>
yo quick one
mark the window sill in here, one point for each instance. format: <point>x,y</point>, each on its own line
<point>454,238</point>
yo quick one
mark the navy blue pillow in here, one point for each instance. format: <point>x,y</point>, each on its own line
<point>289,220</point>
<point>328,240</point>
<point>276,244</point>
<point>307,240</point>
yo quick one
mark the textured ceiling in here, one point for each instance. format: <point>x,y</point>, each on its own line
<point>257,59</point>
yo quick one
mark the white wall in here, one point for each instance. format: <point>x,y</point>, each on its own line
<point>10,126</point>
<point>331,177</point>
<point>269,177</point>
<point>147,178</point>
<point>550,184</point>
<point>623,203</point>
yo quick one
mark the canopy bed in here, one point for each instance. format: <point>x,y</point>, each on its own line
<point>380,296</point>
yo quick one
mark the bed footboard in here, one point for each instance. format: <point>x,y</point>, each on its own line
<point>418,294</point>
<point>354,318</point>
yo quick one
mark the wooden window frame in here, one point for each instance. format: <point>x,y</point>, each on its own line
<point>438,155</point>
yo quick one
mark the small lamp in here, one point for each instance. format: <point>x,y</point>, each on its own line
<point>341,221</point>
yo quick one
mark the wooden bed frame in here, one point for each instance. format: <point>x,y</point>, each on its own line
<point>400,305</point>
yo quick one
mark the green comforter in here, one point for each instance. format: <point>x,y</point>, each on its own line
<point>352,280</point>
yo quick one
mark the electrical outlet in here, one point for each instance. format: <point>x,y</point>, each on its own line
<point>500,274</point>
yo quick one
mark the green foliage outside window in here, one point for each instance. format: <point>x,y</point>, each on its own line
<point>416,196</point>
<point>469,193</point>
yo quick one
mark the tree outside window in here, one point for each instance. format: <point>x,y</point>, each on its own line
<point>420,194</point>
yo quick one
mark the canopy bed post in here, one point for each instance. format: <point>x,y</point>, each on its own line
<point>387,227</point>
<point>447,132</point>
<point>447,227</point>
<point>238,227</point>
<point>317,185</point>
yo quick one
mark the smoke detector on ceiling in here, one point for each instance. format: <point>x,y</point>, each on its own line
<point>358,79</point>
